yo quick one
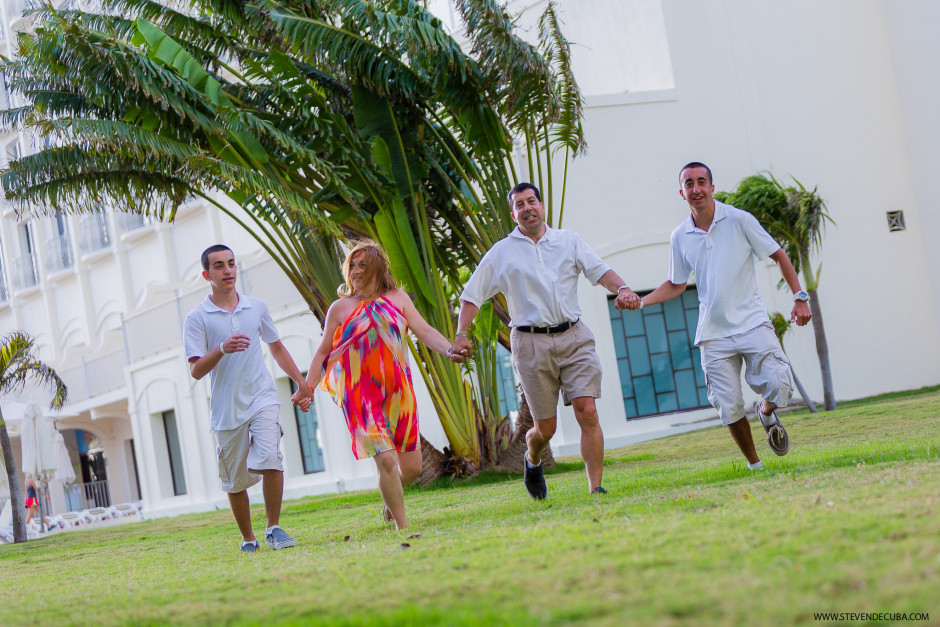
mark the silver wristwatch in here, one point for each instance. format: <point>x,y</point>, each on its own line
<point>801,295</point>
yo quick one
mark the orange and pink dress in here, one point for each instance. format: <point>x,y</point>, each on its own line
<point>368,375</point>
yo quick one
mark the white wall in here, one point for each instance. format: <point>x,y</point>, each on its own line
<point>914,49</point>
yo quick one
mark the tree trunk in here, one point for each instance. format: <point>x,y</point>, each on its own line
<point>822,350</point>
<point>433,463</point>
<point>16,496</point>
<point>511,458</point>
<point>799,385</point>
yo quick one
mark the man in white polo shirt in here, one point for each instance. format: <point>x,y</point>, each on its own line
<point>536,267</point>
<point>719,243</point>
<point>222,337</point>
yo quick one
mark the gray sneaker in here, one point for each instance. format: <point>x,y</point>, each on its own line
<point>277,538</point>
<point>249,547</point>
<point>777,437</point>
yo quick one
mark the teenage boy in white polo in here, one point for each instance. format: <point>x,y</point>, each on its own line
<point>222,337</point>
<point>537,269</point>
<point>719,243</point>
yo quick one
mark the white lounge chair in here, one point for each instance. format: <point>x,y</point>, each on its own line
<point>71,519</point>
<point>124,509</point>
<point>96,514</point>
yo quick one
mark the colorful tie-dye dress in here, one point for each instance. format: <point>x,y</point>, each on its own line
<point>368,375</point>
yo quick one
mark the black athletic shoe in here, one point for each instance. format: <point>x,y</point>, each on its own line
<point>598,490</point>
<point>535,480</point>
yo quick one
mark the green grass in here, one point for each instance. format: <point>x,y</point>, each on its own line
<point>849,521</point>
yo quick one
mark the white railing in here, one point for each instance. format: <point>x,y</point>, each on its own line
<point>24,272</point>
<point>268,282</point>
<point>161,328</point>
<point>95,376</point>
<point>58,253</point>
<point>93,233</point>
<point>80,496</point>
<point>131,221</point>
<point>152,331</point>
<point>4,295</point>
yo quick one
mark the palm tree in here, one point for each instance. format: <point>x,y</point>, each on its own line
<point>782,325</point>
<point>17,365</point>
<point>320,122</point>
<point>796,217</point>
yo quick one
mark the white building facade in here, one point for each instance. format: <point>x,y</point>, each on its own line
<point>835,93</point>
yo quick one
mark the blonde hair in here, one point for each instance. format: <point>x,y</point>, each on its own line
<point>378,273</point>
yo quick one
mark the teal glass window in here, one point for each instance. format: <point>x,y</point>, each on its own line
<point>506,382</point>
<point>307,435</point>
<point>660,368</point>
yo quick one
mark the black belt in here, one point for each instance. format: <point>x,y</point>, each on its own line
<point>558,328</point>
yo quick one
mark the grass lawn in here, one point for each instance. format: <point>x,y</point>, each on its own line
<point>849,521</point>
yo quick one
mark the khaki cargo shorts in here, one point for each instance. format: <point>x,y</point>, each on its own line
<point>547,363</point>
<point>766,370</point>
<point>248,448</point>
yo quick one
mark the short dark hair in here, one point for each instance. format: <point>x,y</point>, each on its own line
<point>215,248</point>
<point>697,164</point>
<point>521,187</point>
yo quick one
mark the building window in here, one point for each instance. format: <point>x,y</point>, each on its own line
<point>4,92</point>
<point>58,251</point>
<point>24,266</point>
<point>3,282</point>
<point>309,437</point>
<point>506,382</point>
<point>13,150</point>
<point>133,451</point>
<point>660,368</point>
<point>93,232</point>
<point>130,221</point>
<point>174,453</point>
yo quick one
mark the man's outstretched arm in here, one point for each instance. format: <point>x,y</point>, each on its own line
<point>801,313</point>
<point>626,298</point>
<point>666,291</point>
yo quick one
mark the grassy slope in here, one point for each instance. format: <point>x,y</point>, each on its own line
<point>846,522</point>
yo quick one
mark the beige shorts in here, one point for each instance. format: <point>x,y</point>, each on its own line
<point>548,363</point>
<point>766,370</point>
<point>249,448</point>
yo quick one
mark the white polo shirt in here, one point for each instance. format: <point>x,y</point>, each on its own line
<point>723,261</point>
<point>240,383</point>
<point>540,280</point>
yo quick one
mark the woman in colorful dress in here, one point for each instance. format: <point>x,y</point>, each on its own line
<point>362,363</point>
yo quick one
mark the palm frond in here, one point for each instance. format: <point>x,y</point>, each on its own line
<point>18,365</point>
<point>567,130</point>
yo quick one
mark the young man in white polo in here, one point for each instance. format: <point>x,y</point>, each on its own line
<point>719,243</point>
<point>222,338</point>
<point>537,269</point>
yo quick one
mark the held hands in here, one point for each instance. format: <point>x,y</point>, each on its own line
<point>461,350</point>
<point>235,344</point>
<point>801,313</point>
<point>303,397</point>
<point>627,299</point>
